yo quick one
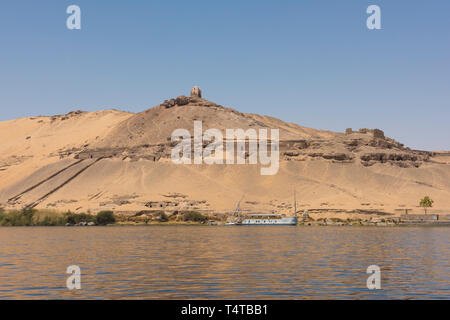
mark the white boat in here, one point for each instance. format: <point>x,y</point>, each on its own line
<point>269,219</point>
<point>261,219</point>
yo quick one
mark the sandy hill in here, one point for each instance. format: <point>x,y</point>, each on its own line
<point>91,161</point>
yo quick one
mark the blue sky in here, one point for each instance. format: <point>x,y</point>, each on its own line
<point>310,62</point>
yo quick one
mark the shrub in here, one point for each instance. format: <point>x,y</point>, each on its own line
<point>27,216</point>
<point>31,217</point>
<point>105,217</point>
<point>18,218</point>
<point>10,219</point>
<point>52,220</point>
<point>75,218</point>
<point>48,218</point>
<point>163,217</point>
<point>194,216</point>
<point>71,218</point>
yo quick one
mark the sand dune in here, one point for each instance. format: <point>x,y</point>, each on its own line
<point>91,161</point>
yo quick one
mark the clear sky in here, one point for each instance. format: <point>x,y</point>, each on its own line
<point>312,62</point>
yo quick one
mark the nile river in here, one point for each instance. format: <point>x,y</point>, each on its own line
<point>193,262</point>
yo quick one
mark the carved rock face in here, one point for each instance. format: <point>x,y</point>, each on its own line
<point>196,92</point>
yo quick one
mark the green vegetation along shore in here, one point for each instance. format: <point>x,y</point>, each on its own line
<point>32,217</point>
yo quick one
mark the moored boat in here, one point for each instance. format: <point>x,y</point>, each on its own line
<point>260,219</point>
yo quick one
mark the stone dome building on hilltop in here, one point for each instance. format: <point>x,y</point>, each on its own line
<point>196,92</point>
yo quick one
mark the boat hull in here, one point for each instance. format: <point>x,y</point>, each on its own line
<point>267,222</point>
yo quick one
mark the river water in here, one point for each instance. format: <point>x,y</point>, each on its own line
<point>194,262</point>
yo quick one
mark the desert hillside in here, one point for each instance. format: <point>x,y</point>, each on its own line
<point>91,161</point>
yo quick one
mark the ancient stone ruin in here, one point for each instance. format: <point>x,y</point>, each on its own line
<point>196,92</point>
<point>195,99</point>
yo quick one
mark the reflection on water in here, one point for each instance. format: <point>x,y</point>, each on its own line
<point>179,262</point>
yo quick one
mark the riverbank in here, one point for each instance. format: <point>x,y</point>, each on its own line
<point>32,217</point>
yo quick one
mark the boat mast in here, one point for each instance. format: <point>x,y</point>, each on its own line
<point>295,204</point>
<point>238,208</point>
<point>239,211</point>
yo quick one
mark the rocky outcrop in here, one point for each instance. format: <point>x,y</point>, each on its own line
<point>384,157</point>
<point>181,101</point>
<point>67,116</point>
<point>403,160</point>
<point>177,204</point>
<point>194,99</point>
<point>332,156</point>
<point>168,103</point>
<point>301,144</point>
